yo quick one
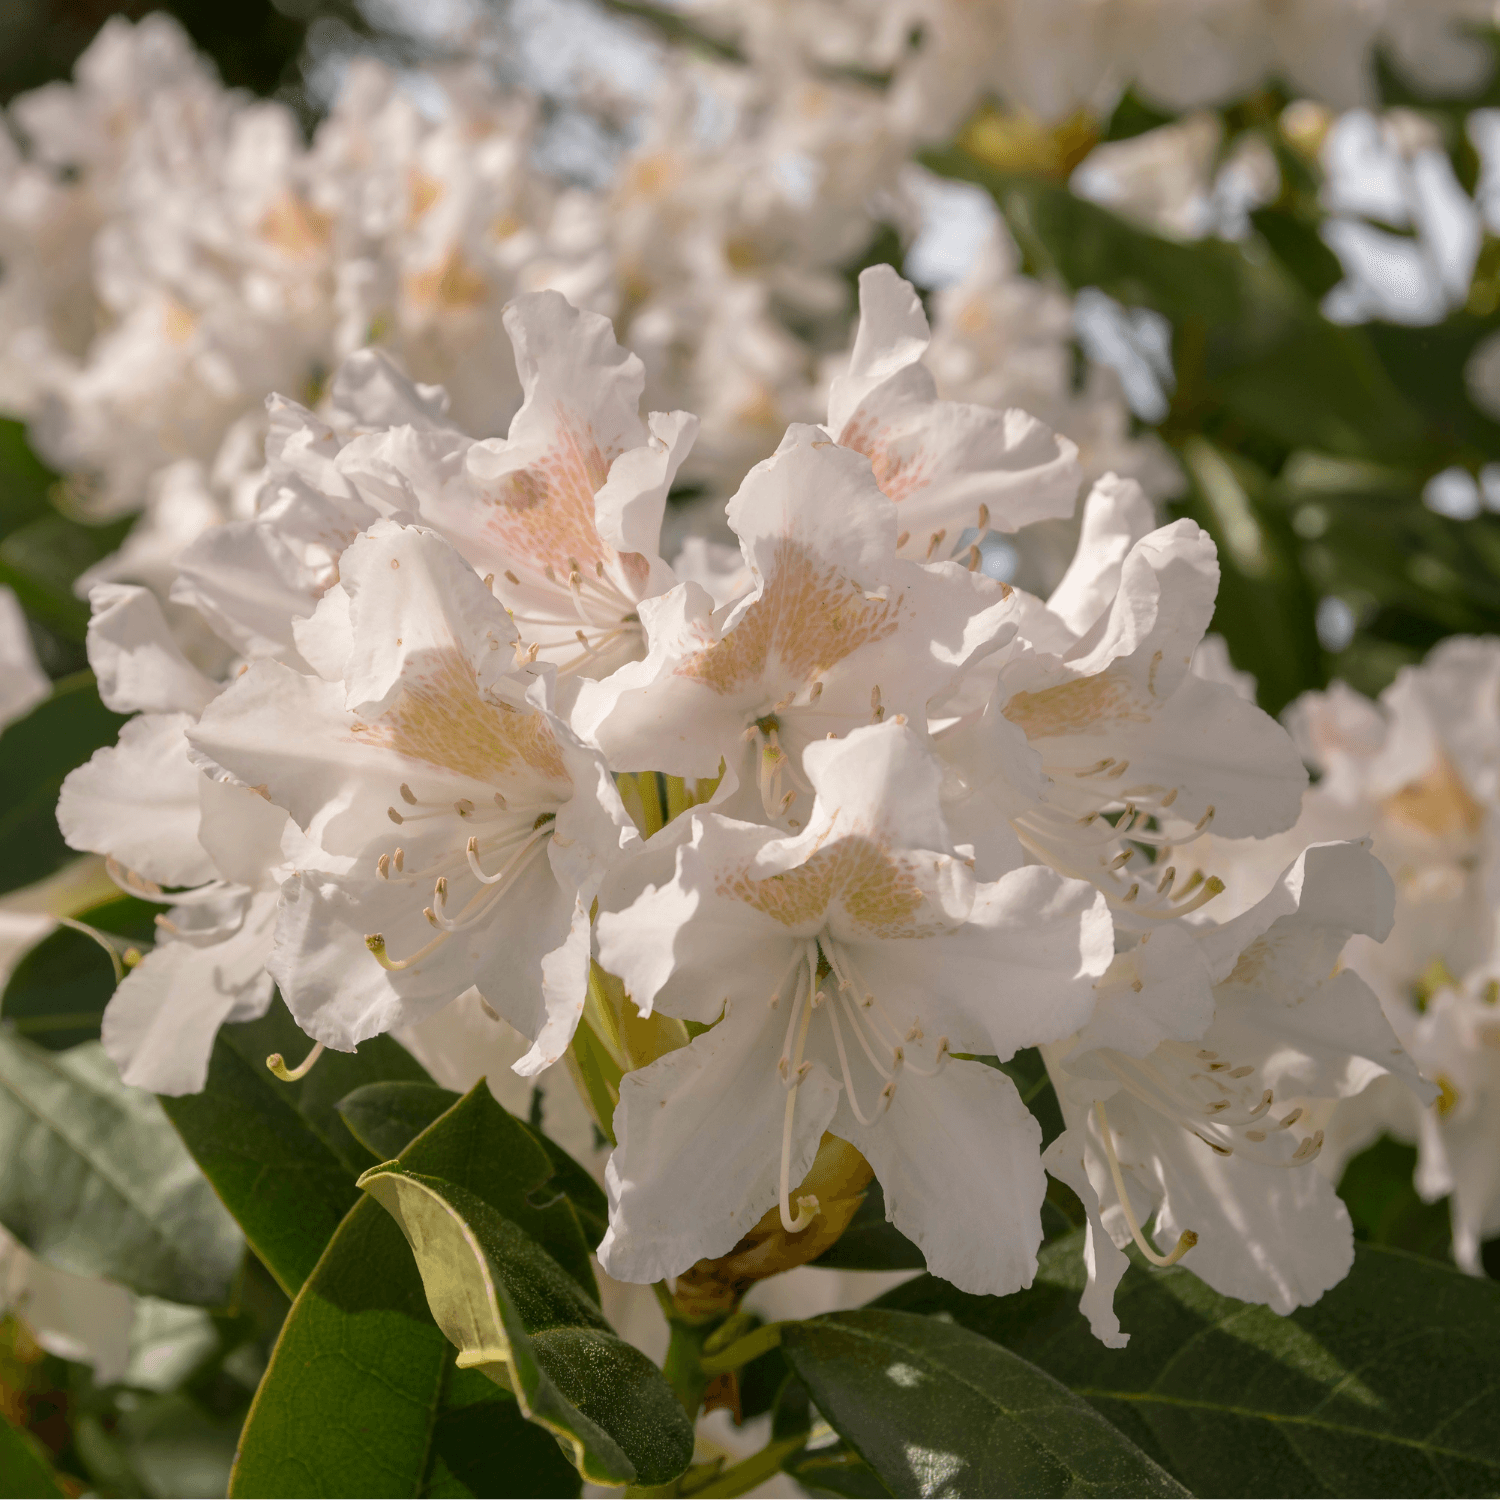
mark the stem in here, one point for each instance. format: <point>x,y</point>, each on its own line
<point>742,1351</point>
<point>683,1366</point>
<point>754,1470</point>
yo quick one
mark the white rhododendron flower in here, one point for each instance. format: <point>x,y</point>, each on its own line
<point>950,466</point>
<point>461,827</point>
<point>1100,685</point>
<point>23,683</point>
<point>566,510</point>
<point>837,632</point>
<point>218,846</point>
<point>839,970</point>
<point>1195,1091</point>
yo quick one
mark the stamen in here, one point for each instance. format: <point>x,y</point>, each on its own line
<point>934,542</point>
<point>807,1207</point>
<point>1164,885</point>
<point>277,1064</point>
<point>408,796</point>
<point>983,523</point>
<point>902,540</point>
<point>383,867</point>
<point>838,1041</point>
<point>394,816</point>
<point>375,942</point>
<point>399,860</point>
<point>463,807</point>
<point>972,558</point>
<point>511,577</point>
<point>1185,1241</point>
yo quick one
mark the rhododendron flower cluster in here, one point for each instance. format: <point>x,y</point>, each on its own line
<point>924,819</point>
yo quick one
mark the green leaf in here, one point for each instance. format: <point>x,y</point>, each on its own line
<point>24,1469</point>
<point>1378,1190</point>
<point>359,1339</point>
<point>385,1117</point>
<point>36,753</point>
<point>56,995</point>
<point>1385,1386</point>
<point>513,1313</point>
<point>24,479</point>
<point>277,1153</point>
<point>41,559</point>
<point>93,1179</point>
<point>935,1409</point>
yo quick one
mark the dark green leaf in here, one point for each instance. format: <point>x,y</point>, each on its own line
<point>936,1409</point>
<point>514,1313</point>
<point>24,479</point>
<point>359,1339</point>
<point>57,993</point>
<point>1385,1386</point>
<point>93,1179</point>
<point>1378,1190</point>
<point>41,559</point>
<point>277,1153</point>
<point>36,753</point>
<point>384,1117</point>
<point>24,1471</point>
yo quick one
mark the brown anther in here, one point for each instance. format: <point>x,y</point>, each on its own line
<point>394,816</point>
<point>902,540</point>
<point>935,541</point>
<point>489,580</point>
<point>973,558</point>
<point>984,518</point>
<point>463,807</point>
<point>383,866</point>
<point>408,796</point>
<point>399,859</point>
<point>511,577</point>
<point>431,916</point>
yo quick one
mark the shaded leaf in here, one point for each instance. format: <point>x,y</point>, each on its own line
<point>277,1153</point>
<point>936,1409</point>
<point>36,753</point>
<point>359,1339</point>
<point>872,1242</point>
<point>24,1470</point>
<point>1385,1386</point>
<point>385,1117</point>
<point>56,995</point>
<point>513,1313</point>
<point>94,1180</point>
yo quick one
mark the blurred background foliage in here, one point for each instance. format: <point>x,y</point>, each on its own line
<point>1306,446</point>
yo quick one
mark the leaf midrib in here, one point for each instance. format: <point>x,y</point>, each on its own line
<point>1143,1398</point>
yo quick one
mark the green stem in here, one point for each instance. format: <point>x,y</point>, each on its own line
<point>754,1470</point>
<point>742,1351</point>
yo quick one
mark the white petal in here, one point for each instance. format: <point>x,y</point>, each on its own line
<point>160,1024</point>
<point>1105,1263</point>
<point>1116,516</point>
<point>958,1157</point>
<point>138,663</point>
<point>1018,973</point>
<point>628,509</point>
<point>699,1149</point>
<point>23,684</point>
<point>138,800</point>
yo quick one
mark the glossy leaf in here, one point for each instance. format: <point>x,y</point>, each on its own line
<point>56,995</point>
<point>513,1313</point>
<point>359,1338</point>
<point>36,753</point>
<point>277,1153</point>
<point>1385,1386</point>
<point>936,1409</point>
<point>93,1179</point>
<point>385,1117</point>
